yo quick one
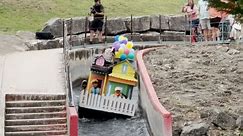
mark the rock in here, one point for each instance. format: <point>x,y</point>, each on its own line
<point>224,120</point>
<point>173,36</point>
<point>177,23</point>
<point>139,24</point>
<point>239,122</point>
<point>116,26</point>
<point>78,25</point>
<point>55,26</point>
<point>200,129</point>
<point>150,36</point>
<point>44,44</point>
<point>25,35</point>
<point>155,22</point>
<point>233,52</point>
<point>176,131</point>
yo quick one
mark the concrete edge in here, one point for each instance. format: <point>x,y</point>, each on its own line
<point>72,121</point>
<point>165,115</point>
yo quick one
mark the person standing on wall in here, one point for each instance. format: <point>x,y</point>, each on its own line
<point>204,18</point>
<point>97,24</point>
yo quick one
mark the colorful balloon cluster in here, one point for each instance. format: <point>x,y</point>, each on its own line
<point>124,48</point>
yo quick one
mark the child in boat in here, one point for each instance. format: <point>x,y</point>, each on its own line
<point>95,89</point>
<point>118,92</point>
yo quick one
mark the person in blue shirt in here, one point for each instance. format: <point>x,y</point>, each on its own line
<point>95,89</point>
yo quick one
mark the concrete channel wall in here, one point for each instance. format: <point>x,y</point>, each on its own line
<point>159,119</point>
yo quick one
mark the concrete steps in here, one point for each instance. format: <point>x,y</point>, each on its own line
<point>37,133</point>
<point>32,115</point>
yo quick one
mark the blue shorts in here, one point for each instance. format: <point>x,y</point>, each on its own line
<point>194,23</point>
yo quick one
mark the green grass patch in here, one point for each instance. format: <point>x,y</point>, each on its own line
<point>31,15</point>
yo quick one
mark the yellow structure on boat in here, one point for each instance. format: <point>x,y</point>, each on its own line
<point>121,74</point>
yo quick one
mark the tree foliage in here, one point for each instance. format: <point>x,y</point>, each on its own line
<point>234,7</point>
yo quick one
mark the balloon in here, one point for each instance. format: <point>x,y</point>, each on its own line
<point>121,38</point>
<point>123,57</point>
<point>122,46</point>
<point>121,50</point>
<point>117,38</point>
<point>126,51</point>
<point>117,55</point>
<point>131,56</point>
<point>124,42</point>
<point>129,45</point>
<point>132,51</point>
<point>116,45</point>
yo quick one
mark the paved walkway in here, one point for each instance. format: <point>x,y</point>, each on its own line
<point>34,72</point>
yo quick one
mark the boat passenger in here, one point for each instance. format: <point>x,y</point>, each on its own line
<point>95,89</point>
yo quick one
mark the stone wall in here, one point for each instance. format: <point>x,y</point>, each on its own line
<point>144,28</point>
<point>119,25</point>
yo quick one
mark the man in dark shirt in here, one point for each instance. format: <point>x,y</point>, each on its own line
<point>97,24</point>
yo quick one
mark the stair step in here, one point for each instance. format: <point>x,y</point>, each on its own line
<point>35,109</point>
<point>32,103</point>
<point>35,115</point>
<point>37,133</point>
<point>36,121</point>
<point>35,127</point>
<point>17,97</point>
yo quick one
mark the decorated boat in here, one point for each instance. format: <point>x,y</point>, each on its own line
<point>109,89</point>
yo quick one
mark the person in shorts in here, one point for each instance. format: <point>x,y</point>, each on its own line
<point>204,18</point>
<point>97,24</point>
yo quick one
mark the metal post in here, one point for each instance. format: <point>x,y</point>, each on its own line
<point>190,27</point>
<point>105,30</point>
<point>131,28</point>
<point>63,34</point>
<point>71,29</point>
<point>223,32</point>
<point>160,27</point>
<point>85,30</point>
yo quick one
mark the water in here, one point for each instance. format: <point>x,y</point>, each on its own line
<point>135,126</point>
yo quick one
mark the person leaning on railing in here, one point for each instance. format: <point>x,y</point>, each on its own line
<point>97,24</point>
<point>215,19</point>
<point>191,11</point>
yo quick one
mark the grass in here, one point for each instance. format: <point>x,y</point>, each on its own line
<point>30,15</point>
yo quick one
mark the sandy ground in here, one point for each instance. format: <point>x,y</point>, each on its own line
<point>194,82</point>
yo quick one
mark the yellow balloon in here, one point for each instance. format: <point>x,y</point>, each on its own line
<point>121,50</point>
<point>117,55</point>
<point>129,45</point>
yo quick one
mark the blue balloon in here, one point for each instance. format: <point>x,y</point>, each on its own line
<point>117,37</point>
<point>123,57</point>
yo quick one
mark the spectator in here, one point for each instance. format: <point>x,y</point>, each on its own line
<point>97,24</point>
<point>204,18</point>
<point>235,28</point>
<point>191,11</point>
<point>215,19</point>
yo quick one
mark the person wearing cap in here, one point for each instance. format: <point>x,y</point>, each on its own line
<point>118,92</point>
<point>95,89</point>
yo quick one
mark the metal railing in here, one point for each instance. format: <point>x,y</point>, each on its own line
<point>220,32</point>
<point>68,78</point>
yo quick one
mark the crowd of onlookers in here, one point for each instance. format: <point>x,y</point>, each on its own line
<point>213,24</point>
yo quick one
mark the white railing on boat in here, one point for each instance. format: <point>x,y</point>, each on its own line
<point>108,103</point>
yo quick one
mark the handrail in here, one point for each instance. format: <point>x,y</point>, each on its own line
<point>66,48</point>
